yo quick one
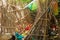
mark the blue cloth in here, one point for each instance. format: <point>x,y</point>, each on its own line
<point>18,36</point>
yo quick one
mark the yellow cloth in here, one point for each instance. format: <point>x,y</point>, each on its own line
<point>25,33</point>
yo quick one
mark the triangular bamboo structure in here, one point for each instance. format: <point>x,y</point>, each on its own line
<point>10,14</point>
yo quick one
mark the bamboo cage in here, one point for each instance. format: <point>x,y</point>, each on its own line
<point>11,16</point>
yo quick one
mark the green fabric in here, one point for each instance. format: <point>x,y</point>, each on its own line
<point>30,6</point>
<point>33,6</point>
